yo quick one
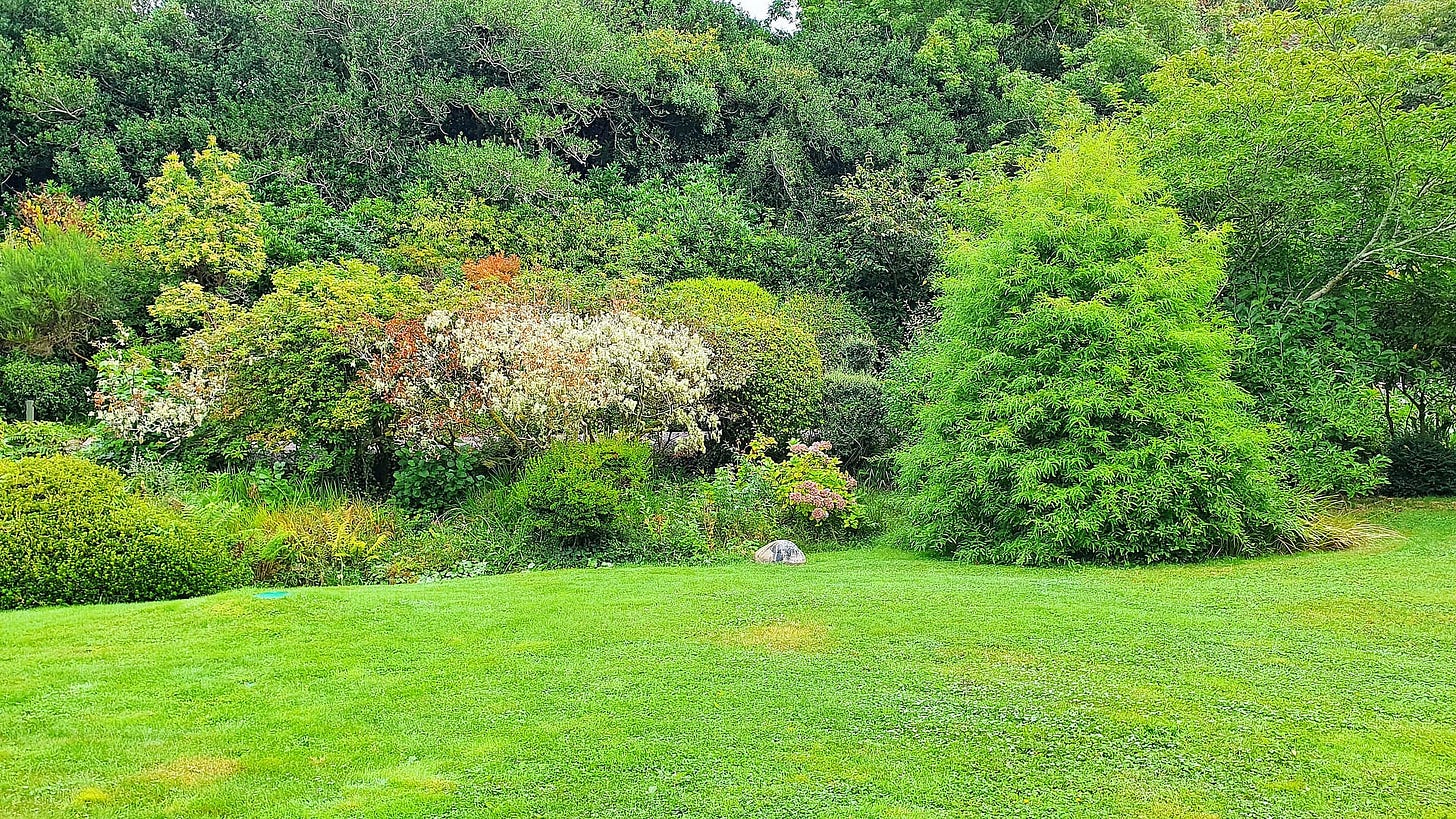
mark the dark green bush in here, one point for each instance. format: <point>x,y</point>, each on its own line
<point>436,483</point>
<point>860,354</point>
<point>58,389</point>
<point>579,496</point>
<point>71,533</point>
<point>855,417</point>
<point>1422,465</point>
<point>1077,402</point>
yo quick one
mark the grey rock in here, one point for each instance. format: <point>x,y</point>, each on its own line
<point>781,551</point>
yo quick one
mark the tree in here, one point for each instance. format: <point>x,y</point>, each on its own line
<point>1331,153</point>
<point>1076,392</point>
<point>204,227</point>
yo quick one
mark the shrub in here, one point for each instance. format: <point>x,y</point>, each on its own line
<point>435,482</point>
<point>1422,465</point>
<point>808,483</point>
<point>861,354</point>
<point>71,533</point>
<point>844,339</point>
<point>712,301</point>
<point>1078,402</point>
<point>204,227</point>
<point>511,378</point>
<point>142,401</point>
<point>768,370</point>
<point>856,416</point>
<point>56,294</point>
<point>578,496</point>
<point>290,367</point>
<point>57,388</point>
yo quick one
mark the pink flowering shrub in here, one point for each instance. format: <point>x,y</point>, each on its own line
<point>809,482</point>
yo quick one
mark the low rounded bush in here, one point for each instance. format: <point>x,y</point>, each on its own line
<point>855,416</point>
<point>57,388</point>
<point>1421,465</point>
<point>578,496</point>
<point>71,533</point>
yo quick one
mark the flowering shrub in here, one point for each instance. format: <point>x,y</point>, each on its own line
<point>516,378</point>
<point>145,402</point>
<point>809,481</point>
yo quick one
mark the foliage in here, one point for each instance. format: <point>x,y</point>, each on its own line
<point>1335,525</point>
<point>856,417</point>
<point>844,339</point>
<point>578,496</point>
<point>512,379</point>
<point>58,388</point>
<point>767,370</point>
<point>291,367</point>
<point>435,481</point>
<point>205,227</point>
<point>1328,150</point>
<point>143,401</point>
<point>807,483</point>
<point>70,533</point>
<point>57,293</point>
<point>1421,465</point>
<point>40,439</point>
<point>317,546</point>
<point>51,209</point>
<point>1078,402</point>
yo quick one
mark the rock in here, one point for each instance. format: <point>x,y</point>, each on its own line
<point>781,551</point>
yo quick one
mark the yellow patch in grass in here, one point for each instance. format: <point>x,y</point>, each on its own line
<point>91,796</point>
<point>786,636</point>
<point>1164,810</point>
<point>192,771</point>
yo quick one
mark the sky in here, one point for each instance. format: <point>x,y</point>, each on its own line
<point>759,8</point>
<point>756,8</point>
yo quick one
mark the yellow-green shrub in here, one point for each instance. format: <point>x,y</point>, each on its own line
<point>71,533</point>
<point>768,368</point>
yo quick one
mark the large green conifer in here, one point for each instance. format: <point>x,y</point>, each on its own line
<point>1074,399</point>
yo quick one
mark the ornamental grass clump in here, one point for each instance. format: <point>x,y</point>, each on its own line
<point>1073,401</point>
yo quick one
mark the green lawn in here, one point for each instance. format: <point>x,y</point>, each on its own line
<point>872,683</point>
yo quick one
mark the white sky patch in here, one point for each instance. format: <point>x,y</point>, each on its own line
<point>758,9</point>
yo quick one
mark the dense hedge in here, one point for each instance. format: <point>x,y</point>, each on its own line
<point>71,533</point>
<point>57,388</point>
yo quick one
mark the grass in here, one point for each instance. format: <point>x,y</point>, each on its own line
<point>867,683</point>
